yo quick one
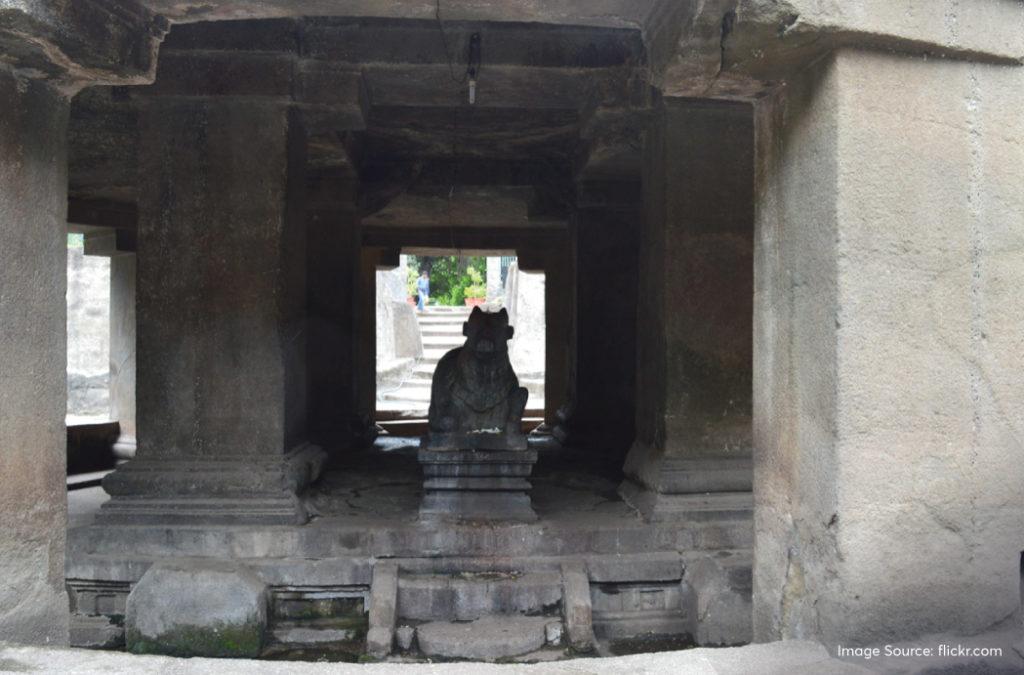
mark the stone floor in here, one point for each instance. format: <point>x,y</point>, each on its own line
<point>782,658</point>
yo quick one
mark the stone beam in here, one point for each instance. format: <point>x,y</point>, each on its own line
<point>604,13</point>
<point>525,87</point>
<point>79,42</point>
<point>741,48</point>
<point>101,213</point>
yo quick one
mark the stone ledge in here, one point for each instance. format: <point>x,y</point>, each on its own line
<point>773,658</point>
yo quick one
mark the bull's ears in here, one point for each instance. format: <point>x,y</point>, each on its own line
<point>511,331</point>
<point>503,313</point>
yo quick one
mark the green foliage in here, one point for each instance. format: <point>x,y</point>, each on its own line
<point>477,288</point>
<point>414,274</point>
<point>452,279</point>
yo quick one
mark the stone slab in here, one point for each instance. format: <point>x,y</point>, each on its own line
<point>576,607</point>
<point>486,639</point>
<point>383,609</point>
<point>776,658</point>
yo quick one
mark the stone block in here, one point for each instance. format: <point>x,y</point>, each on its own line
<point>404,635</point>
<point>486,639</point>
<point>721,599</point>
<point>553,632</point>
<point>194,608</point>
<point>383,606</point>
<point>576,607</point>
<point>465,596</point>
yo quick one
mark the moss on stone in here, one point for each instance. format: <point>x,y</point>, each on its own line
<point>219,640</point>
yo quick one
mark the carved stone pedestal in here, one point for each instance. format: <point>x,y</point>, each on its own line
<point>477,485</point>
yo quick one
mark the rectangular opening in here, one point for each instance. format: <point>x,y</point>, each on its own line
<point>420,308</point>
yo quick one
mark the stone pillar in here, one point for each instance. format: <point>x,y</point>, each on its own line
<point>221,401</point>
<point>332,274</point>
<point>694,318</point>
<point>33,262</point>
<point>606,227</point>
<point>888,406</point>
<point>494,285</point>
<point>122,351</point>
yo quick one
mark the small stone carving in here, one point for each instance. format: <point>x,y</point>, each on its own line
<point>475,400</point>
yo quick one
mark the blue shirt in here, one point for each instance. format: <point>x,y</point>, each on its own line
<point>423,286</point>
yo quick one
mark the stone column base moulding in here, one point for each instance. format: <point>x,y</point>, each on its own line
<point>660,485</point>
<point>228,490</point>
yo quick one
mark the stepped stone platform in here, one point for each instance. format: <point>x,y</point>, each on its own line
<point>589,564</point>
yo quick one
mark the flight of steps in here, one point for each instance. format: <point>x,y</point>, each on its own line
<point>479,615</point>
<point>441,331</point>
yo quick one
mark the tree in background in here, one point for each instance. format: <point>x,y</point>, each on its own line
<point>452,278</point>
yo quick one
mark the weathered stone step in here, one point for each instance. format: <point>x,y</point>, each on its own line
<point>469,596</point>
<point>436,329</point>
<point>410,393</point>
<point>433,353</point>
<point>487,639</point>
<point>451,342</point>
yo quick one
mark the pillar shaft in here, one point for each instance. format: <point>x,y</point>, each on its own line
<point>887,400</point>
<point>33,356</point>
<point>694,311</point>
<point>606,272</point>
<point>122,350</point>
<point>221,401</point>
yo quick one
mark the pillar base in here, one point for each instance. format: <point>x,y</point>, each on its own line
<point>661,485</point>
<point>237,490</point>
<point>656,506</point>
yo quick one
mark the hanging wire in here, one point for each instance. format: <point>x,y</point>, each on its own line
<point>444,44</point>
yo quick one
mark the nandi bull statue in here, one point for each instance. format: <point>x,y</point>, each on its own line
<point>475,397</point>
<point>475,456</point>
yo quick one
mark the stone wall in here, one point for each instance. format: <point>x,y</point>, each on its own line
<point>398,334</point>
<point>888,406</point>
<point>88,325</point>
<point>524,300</point>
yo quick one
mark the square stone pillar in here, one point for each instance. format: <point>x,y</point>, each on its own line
<point>33,357</point>
<point>888,397</point>
<point>122,350</point>
<point>221,396</point>
<point>605,267</point>
<point>694,311</point>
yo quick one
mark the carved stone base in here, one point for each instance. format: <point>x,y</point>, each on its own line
<point>232,490</point>
<point>656,506</point>
<point>477,485</point>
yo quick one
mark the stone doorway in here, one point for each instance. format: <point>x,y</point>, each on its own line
<point>410,340</point>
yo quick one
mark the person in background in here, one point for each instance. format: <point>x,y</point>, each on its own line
<point>422,290</point>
